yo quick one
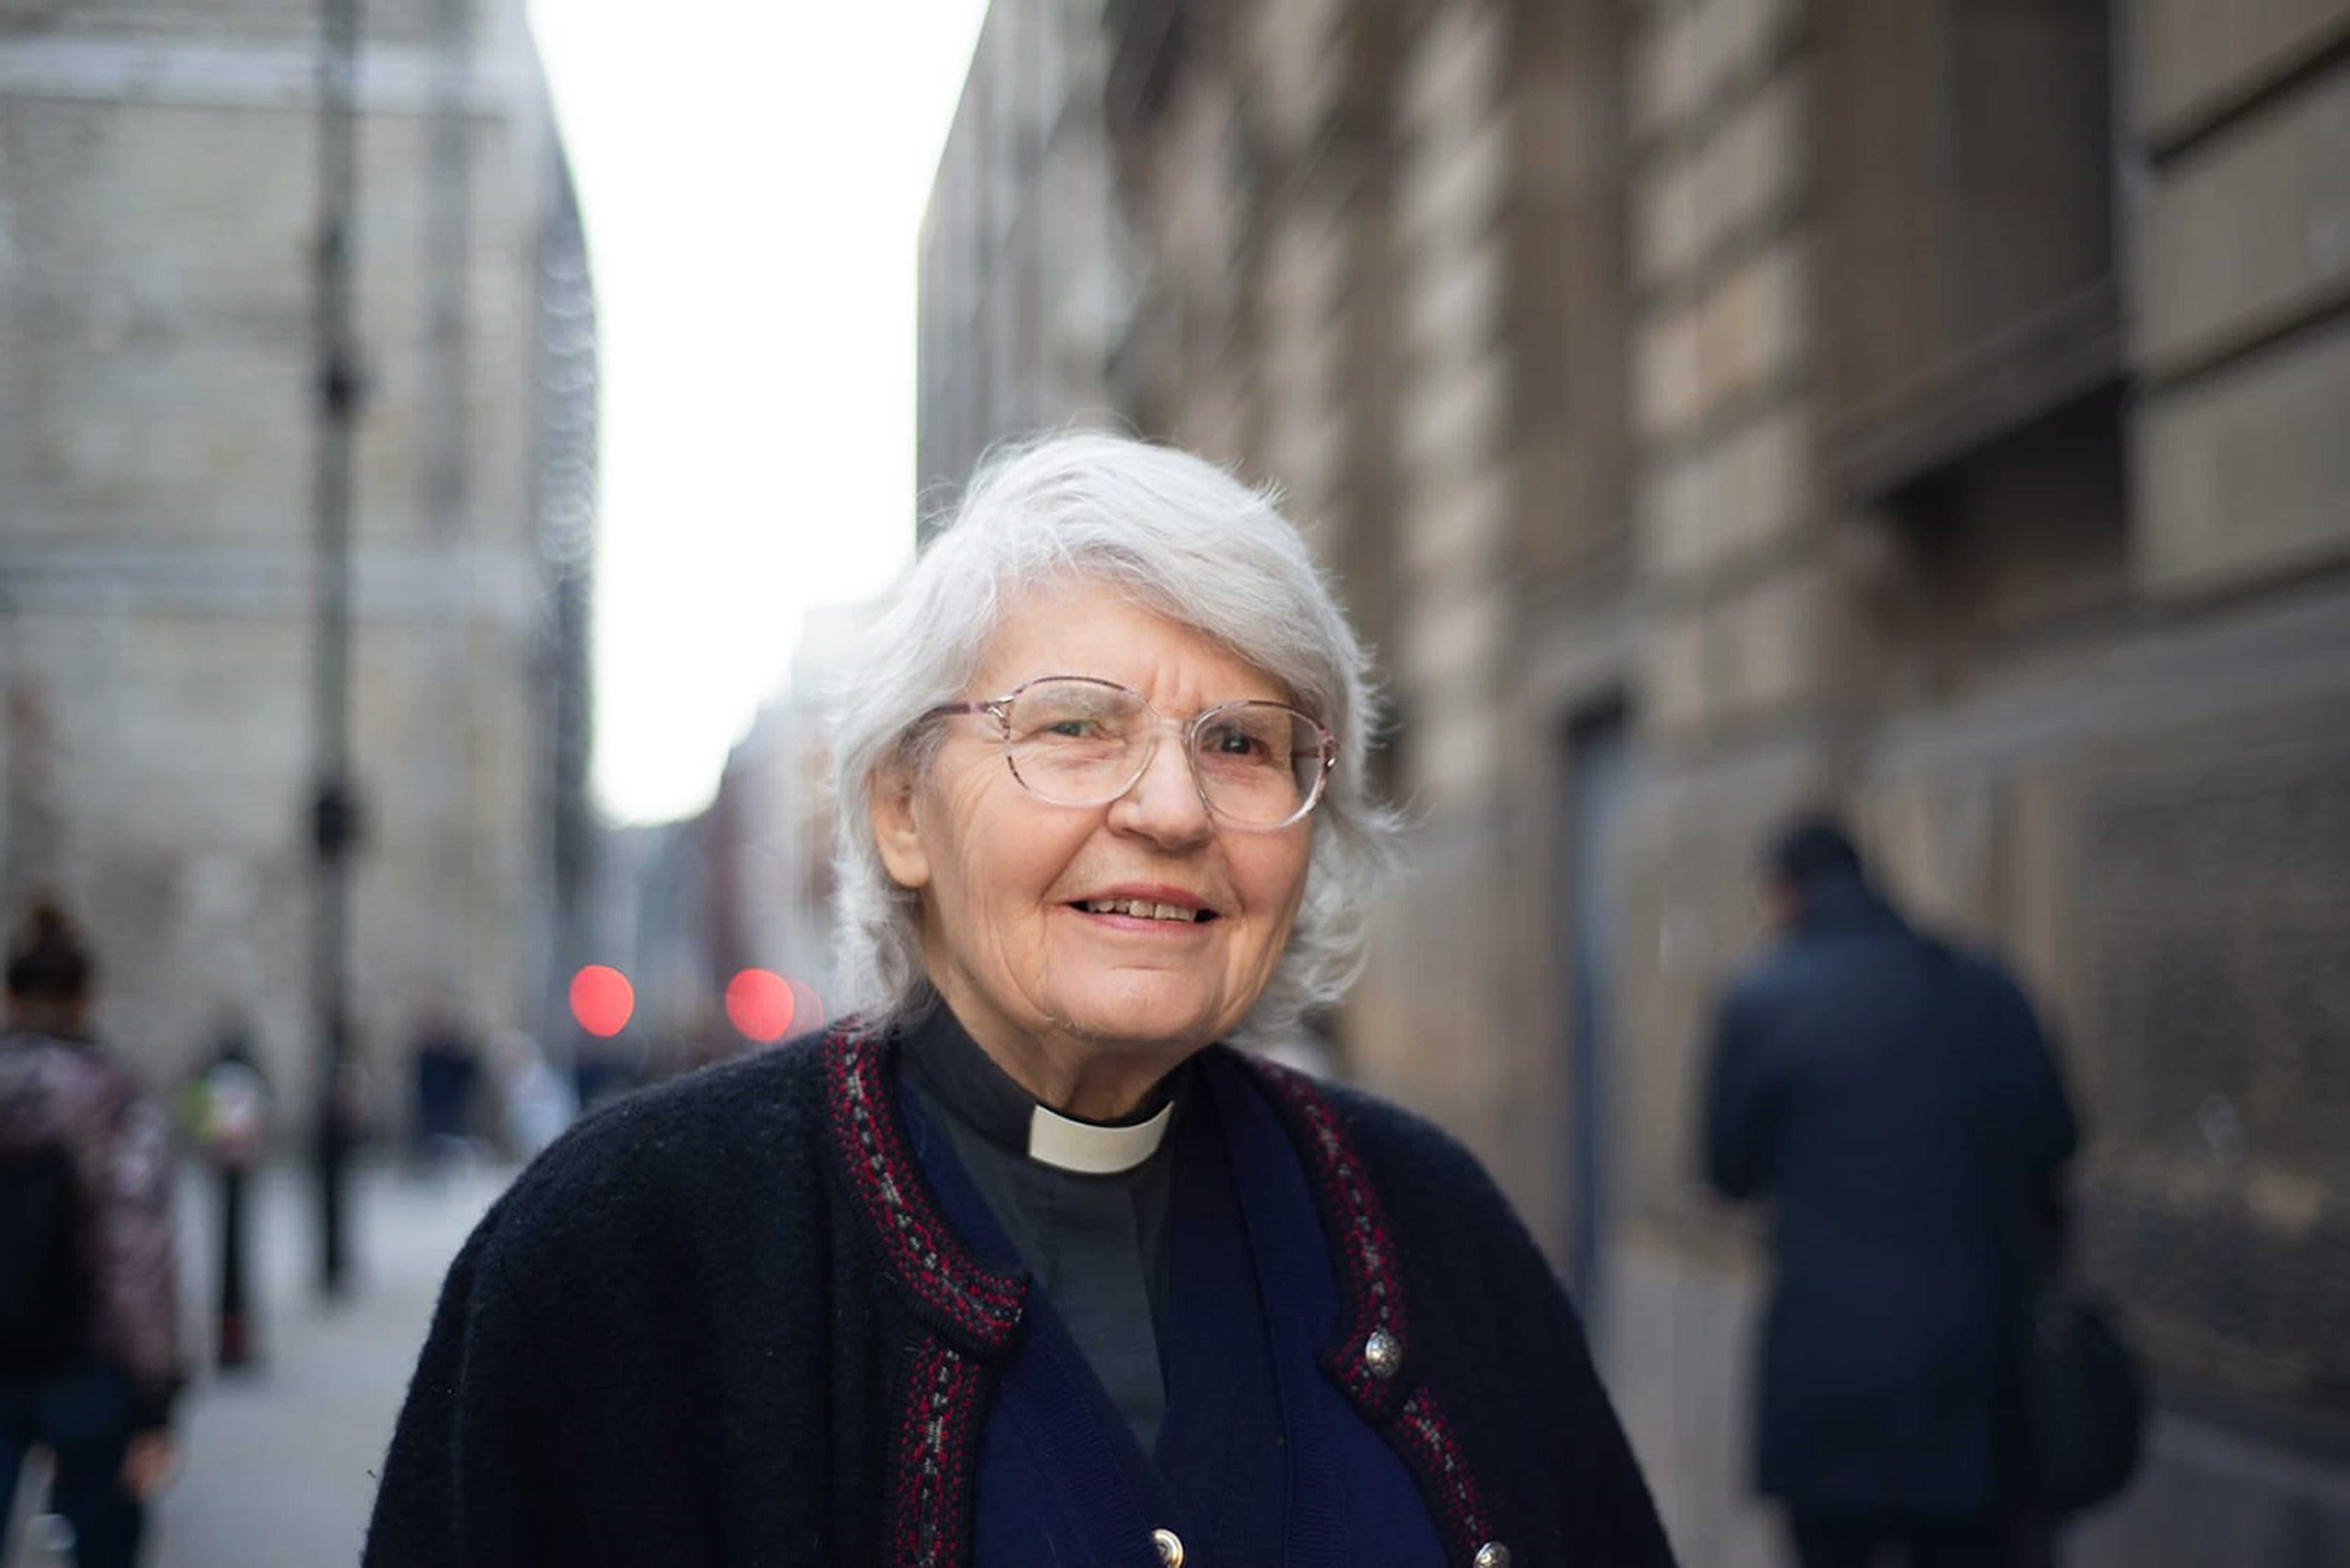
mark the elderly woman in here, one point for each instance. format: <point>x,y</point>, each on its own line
<point>1031,1262</point>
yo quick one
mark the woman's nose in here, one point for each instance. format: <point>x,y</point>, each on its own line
<point>1165,803</point>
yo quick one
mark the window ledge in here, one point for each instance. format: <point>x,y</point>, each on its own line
<point>2041,364</point>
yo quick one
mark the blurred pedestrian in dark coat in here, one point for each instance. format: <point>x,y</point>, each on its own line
<point>226,1114</point>
<point>1893,1100</point>
<point>447,1070</point>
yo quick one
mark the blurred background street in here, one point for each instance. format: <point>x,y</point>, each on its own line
<point>446,445</point>
<point>278,1461</point>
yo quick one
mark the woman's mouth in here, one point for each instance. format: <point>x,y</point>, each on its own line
<point>1145,909</point>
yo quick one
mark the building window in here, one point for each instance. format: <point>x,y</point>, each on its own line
<point>1967,276</point>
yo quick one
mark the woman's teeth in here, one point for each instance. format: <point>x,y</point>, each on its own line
<point>1143,908</point>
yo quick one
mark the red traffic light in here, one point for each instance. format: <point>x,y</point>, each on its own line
<point>602,999</point>
<point>760,1005</point>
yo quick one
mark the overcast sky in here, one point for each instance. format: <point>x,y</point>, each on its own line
<point>753,177</point>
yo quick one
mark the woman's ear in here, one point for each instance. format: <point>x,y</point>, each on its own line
<point>896,832</point>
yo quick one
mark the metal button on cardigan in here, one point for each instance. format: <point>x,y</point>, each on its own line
<point>1382,1353</point>
<point>1492,1554</point>
<point>1170,1548</point>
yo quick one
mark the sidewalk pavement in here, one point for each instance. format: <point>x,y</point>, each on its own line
<point>278,1463</point>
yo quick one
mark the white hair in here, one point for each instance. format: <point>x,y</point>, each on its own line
<point>1183,539</point>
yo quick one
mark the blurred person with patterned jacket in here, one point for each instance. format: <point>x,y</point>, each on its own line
<point>90,1360</point>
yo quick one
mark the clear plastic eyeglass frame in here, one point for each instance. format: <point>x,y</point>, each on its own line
<point>1188,730</point>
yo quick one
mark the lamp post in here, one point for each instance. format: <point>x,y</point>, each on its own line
<point>338,389</point>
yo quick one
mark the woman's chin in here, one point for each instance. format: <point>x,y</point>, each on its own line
<point>1172,1028</point>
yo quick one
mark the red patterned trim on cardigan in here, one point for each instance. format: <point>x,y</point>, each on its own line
<point>1371,1287</point>
<point>1370,1290</point>
<point>957,1294</point>
<point>930,1463</point>
<point>1433,1452</point>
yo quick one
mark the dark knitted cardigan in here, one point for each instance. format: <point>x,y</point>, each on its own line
<point>724,1322</point>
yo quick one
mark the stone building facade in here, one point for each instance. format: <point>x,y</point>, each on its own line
<point>158,216</point>
<point>1710,408</point>
<point>1022,270</point>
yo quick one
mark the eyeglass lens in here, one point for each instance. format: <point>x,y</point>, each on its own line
<point>1079,742</point>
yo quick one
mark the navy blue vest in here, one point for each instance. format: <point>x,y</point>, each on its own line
<point>1262,1459</point>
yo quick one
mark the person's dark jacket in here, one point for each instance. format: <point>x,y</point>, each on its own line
<point>76,1096</point>
<point>690,1333</point>
<point>1894,1099</point>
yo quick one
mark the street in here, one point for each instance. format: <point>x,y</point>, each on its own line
<point>278,1463</point>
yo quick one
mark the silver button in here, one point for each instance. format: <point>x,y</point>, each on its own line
<point>1170,1548</point>
<point>1492,1554</point>
<point>1382,1353</point>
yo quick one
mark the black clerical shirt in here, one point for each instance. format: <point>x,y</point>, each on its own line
<point>1096,1243</point>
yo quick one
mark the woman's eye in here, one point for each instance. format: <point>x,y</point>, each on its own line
<point>1071,730</point>
<point>1234,743</point>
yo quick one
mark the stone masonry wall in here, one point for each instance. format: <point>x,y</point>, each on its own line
<point>157,192</point>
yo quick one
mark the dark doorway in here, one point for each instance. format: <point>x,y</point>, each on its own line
<point>1591,788</point>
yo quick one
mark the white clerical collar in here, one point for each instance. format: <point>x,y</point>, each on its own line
<point>1091,1149</point>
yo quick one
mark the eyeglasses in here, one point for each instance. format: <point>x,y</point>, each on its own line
<point>1075,740</point>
